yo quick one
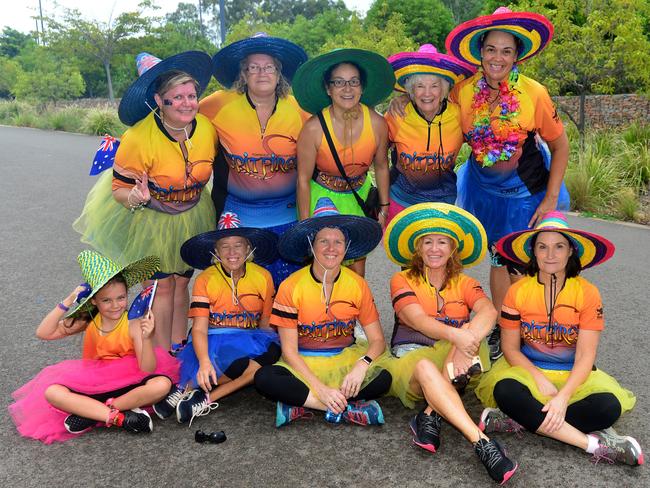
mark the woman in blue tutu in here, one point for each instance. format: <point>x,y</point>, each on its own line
<point>230,309</point>
<point>154,199</point>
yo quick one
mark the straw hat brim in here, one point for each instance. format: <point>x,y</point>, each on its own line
<point>422,63</point>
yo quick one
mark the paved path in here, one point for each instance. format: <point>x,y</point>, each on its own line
<point>44,182</point>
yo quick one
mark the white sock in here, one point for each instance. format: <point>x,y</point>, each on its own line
<point>592,444</point>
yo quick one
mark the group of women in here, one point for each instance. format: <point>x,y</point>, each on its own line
<point>292,198</point>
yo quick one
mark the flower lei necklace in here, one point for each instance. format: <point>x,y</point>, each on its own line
<point>491,145</point>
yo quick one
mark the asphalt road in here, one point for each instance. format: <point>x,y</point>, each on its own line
<point>44,183</point>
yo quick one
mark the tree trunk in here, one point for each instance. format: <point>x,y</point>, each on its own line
<point>109,81</point>
<point>581,120</point>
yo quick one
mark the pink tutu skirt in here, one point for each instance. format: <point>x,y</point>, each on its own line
<point>37,419</point>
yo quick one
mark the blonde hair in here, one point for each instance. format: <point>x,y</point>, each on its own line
<point>172,79</point>
<point>417,269</point>
<point>282,88</point>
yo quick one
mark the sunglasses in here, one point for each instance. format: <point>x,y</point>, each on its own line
<point>212,437</point>
<point>461,381</point>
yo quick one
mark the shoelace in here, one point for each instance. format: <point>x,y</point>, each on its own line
<point>300,413</point>
<point>489,453</point>
<point>173,399</point>
<point>356,417</point>
<point>603,453</point>
<point>508,425</point>
<point>431,425</point>
<point>202,409</point>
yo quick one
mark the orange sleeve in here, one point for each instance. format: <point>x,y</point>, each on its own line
<point>472,291</point>
<point>591,313</point>
<point>510,315</point>
<point>285,311</point>
<point>131,161</point>
<point>547,120</point>
<point>269,296</point>
<point>367,310</point>
<point>200,302</point>
<point>210,105</point>
<point>401,292</point>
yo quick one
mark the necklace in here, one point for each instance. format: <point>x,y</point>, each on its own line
<point>104,331</point>
<point>490,145</point>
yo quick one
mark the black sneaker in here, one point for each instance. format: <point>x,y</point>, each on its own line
<point>137,421</point>
<point>167,406</point>
<point>426,429</point>
<point>194,403</point>
<point>494,343</point>
<point>498,465</point>
<point>78,425</point>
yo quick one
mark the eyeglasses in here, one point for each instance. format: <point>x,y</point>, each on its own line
<point>460,382</point>
<point>340,82</point>
<point>212,437</point>
<point>256,68</point>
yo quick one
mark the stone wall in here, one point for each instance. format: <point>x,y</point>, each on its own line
<point>607,110</point>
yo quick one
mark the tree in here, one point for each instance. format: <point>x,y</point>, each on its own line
<point>12,42</point>
<point>9,72</point>
<point>598,47</point>
<point>425,21</point>
<point>462,10</point>
<point>99,40</point>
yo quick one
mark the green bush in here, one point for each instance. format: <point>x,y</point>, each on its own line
<point>100,121</point>
<point>10,109</point>
<point>67,119</point>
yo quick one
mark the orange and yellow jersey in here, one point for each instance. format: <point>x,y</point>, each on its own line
<point>116,344</point>
<point>356,159</point>
<point>458,298</point>
<point>425,155</point>
<point>577,306</point>
<point>213,297</point>
<point>255,166</point>
<point>299,305</point>
<point>177,171</point>
<point>537,115</point>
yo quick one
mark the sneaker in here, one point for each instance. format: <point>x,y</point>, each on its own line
<point>494,343</point>
<point>285,414</point>
<point>78,425</point>
<point>363,413</point>
<point>194,403</point>
<point>498,465</point>
<point>167,406</point>
<point>137,421</point>
<point>426,429</point>
<point>613,447</point>
<point>494,420</point>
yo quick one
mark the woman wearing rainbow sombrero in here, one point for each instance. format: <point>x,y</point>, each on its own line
<point>551,321</point>
<point>433,301</point>
<point>511,180</point>
<point>427,138</point>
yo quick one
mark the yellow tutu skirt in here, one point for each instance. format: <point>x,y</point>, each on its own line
<point>344,201</point>
<point>331,370</point>
<point>126,236</point>
<point>597,382</point>
<point>402,369</point>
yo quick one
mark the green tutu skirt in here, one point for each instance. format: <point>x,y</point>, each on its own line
<point>344,201</point>
<point>597,382</point>
<point>331,370</point>
<point>126,236</point>
<point>402,369</point>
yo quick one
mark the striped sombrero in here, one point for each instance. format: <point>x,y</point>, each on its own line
<point>428,61</point>
<point>98,270</point>
<point>422,219</point>
<point>592,249</point>
<point>534,30</point>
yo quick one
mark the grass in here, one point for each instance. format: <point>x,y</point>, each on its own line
<point>100,121</point>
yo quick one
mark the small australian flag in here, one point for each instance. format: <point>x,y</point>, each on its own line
<point>142,303</point>
<point>105,155</point>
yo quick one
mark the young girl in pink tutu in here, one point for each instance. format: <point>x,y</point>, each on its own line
<point>120,371</point>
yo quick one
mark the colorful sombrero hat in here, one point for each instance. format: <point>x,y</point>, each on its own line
<point>309,82</point>
<point>534,30</point>
<point>138,99</point>
<point>428,61</point>
<point>198,250</point>
<point>226,62</point>
<point>363,233</point>
<point>98,270</point>
<point>592,249</point>
<point>422,219</point>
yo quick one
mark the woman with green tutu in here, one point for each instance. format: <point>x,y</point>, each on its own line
<point>155,197</point>
<point>551,321</point>
<point>437,344</point>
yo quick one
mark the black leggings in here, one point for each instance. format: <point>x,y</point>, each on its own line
<point>595,412</point>
<point>238,366</point>
<point>278,384</point>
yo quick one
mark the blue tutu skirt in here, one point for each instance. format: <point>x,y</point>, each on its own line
<point>225,346</point>
<point>502,213</point>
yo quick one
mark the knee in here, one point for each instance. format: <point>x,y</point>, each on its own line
<point>503,391</point>
<point>610,409</point>
<point>165,286</point>
<point>54,393</point>
<point>160,386</point>
<point>262,377</point>
<point>426,371</point>
<point>237,368</point>
<point>180,283</point>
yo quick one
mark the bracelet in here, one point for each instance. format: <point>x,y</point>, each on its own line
<point>384,204</point>
<point>366,359</point>
<point>134,207</point>
<point>62,306</point>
